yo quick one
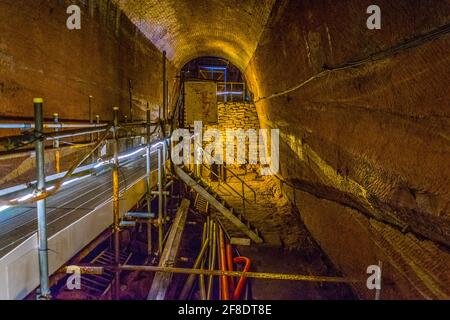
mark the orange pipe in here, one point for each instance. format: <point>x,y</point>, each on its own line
<point>223,266</point>
<point>241,283</point>
<point>230,265</point>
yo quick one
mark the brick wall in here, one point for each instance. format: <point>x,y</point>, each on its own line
<point>236,115</point>
<point>40,57</point>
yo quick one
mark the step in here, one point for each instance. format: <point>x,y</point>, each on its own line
<point>219,204</point>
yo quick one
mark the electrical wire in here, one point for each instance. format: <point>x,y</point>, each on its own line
<point>380,55</point>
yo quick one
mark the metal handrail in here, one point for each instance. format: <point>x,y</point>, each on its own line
<point>52,125</point>
<point>234,190</point>
<point>69,173</point>
<point>230,93</point>
<point>60,182</point>
<point>243,183</point>
<point>231,171</point>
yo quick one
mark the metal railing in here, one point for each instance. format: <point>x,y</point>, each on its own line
<point>221,179</point>
<point>231,91</point>
<point>42,191</point>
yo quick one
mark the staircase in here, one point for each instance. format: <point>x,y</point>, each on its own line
<point>233,222</point>
<point>200,204</point>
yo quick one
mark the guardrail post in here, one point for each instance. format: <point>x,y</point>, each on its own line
<point>56,146</point>
<point>164,173</point>
<point>148,182</point>
<point>243,198</point>
<point>91,121</point>
<point>164,83</point>
<point>160,204</point>
<point>44,293</point>
<point>99,150</point>
<point>116,212</point>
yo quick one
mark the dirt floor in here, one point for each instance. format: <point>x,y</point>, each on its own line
<point>288,246</point>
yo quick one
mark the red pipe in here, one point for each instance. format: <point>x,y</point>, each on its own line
<point>230,265</point>
<point>223,266</point>
<point>241,283</point>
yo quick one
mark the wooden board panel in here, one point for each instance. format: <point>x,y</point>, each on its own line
<point>162,280</point>
<point>201,102</point>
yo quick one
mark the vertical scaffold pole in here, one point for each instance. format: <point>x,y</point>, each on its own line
<point>164,85</point>
<point>56,146</point>
<point>148,181</point>
<point>44,293</point>
<point>160,203</point>
<point>116,212</point>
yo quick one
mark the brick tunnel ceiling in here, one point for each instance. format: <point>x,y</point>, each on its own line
<point>188,29</point>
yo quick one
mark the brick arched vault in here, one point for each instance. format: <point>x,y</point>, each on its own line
<point>189,29</point>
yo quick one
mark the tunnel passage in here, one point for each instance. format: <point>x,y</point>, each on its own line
<point>363,114</point>
<point>187,30</point>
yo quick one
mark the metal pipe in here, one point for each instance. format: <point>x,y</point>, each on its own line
<point>44,293</point>
<point>50,125</point>
<point>190,280</point>
<point>116,212</point>
<point>130,91</point>
<point>90,116</point>
<point>60,182</point>
<point>74,125</point>
<point>56,146</point>
<point>165,194</point>
<point>23,152</point>
<point>253,275</point>
<point>229,249</point>
<point>225,294</point>
<point>213,261</point>
<point>97,120</point>
<point>148,183</point>
<point>241,283</point>
<point>72,133</point>
<point>160,204</point>
<point>164,80</point>
<point>202,277</point>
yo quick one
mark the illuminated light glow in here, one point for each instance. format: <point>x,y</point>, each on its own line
<point>229,92</point>
<point>99,164</point>
<point>157,145</point>
<point>74,180</point>
<point>50,188</point>
<point>131,154</point>
<point>213,68</point>
<point>3,208</point>
<point>69,182</point>
<point>24,198</point>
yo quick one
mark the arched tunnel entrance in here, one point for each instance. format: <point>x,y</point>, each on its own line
<point>224,150</point>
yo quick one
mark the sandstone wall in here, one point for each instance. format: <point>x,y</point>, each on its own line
<point>40,57</point>
<point>367,147</point>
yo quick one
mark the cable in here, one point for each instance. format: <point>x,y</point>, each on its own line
<point>380,55</point>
